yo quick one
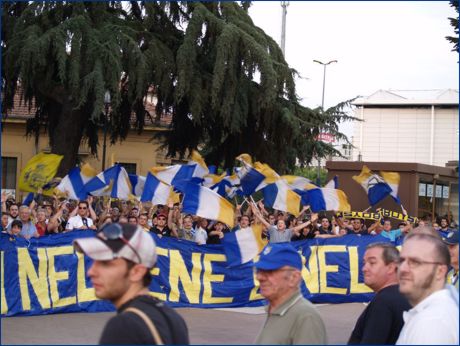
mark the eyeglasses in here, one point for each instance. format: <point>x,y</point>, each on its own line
<point>414,262</point>
<point>161,219</point>
<point>84,208</point>
<point>114,231</point>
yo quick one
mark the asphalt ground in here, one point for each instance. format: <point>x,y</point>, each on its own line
<point>206,326</point>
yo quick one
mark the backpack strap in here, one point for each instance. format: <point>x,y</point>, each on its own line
<point>149,323</point>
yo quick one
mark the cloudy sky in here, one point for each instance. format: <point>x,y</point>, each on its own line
<point>378,45</point>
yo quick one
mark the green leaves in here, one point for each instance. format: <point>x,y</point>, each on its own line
<point>223,81</point>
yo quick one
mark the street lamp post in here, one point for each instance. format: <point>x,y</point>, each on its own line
<point>284,5</point>
<point>106,117</point>
<point>318,177</point>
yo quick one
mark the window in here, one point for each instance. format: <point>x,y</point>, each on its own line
<point>130,167</point>
<point>9,166</point>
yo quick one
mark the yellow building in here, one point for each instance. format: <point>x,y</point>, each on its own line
<point>138,153</point>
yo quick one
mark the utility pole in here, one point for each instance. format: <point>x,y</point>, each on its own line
<point>318,177</point>
<point>284,5</point>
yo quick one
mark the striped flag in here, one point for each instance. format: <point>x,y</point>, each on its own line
<point>155,191</point>
<point>243,245</point>
<point>374,185</point>
<point>280,196</point>
<point>73,184</point>
<point>201,201</point>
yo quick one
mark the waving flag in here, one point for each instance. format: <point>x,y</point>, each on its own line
<point>113,182</point>
<point>155,191</point>
<point>244,245</point>
<point>374,185</point>
<point>201,169</point>
<point>392,179</point>
<point>325,198</point>
<point>177,175</point>
<point>270,175</point>
<point>279,196</point>
<point>201,201</point>
<point>38,171</point>
<point>251,180</point>
<point>73,184</point>
<point>296,182</point>
<point>137,184</point>
<point>333,183</point>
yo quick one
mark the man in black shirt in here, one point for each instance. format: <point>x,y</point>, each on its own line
<point>382,320</point>
<point>123,256</point>
<point>161,229</point>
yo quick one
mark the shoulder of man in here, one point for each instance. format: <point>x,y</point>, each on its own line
<point>165,319</point>
<point>125,329</point>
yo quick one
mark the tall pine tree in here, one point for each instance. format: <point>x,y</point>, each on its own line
<point>223,80</point>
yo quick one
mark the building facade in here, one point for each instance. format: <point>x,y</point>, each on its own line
<point>418,126</point>
<point>138,153</point>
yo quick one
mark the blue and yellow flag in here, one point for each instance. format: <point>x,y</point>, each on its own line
<point>38,172</point>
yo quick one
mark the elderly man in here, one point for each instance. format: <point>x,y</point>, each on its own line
<point>452,243</point>
<point>291,318</point>
<point>381,321</point>
<point>28,228</point>
<point>423,267</point>
<point>123,256</point>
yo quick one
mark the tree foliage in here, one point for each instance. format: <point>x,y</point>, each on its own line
<point>223,80</point>
<point>454,23</point>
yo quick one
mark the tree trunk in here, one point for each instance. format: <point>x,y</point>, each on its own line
<point>66,137</point>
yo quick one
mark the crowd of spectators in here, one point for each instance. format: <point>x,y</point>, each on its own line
<point>46,216</point>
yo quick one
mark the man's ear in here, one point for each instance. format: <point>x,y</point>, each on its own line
<point>137,272</point>
<point>296,277</point>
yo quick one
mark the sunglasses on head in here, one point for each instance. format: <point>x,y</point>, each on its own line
<point>114,231</point>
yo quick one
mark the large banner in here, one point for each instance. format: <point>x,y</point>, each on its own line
<point>45,275</point>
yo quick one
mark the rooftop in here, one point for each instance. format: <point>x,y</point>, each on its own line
<point>410,97</point>
<point>21,111</point>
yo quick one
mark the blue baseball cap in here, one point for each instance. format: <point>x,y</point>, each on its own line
<point>275,256</point>
<point>451,239</point>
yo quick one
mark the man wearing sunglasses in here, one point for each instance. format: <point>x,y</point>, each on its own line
<point>291,318</point>
<point>123,257</point>
<point>81,220</point>
<point>423,267</point>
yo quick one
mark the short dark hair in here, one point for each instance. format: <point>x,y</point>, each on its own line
<point>84,202</point>
<point>442,252</point>
<point>147,279</point>
<point>16,223</point>
<point>390,253</point>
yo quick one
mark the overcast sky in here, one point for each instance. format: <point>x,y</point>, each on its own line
<point>378,45</point>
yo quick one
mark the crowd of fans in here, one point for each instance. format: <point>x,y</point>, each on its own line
<point>47,216</point>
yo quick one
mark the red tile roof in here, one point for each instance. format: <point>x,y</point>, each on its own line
<point>21,110</point>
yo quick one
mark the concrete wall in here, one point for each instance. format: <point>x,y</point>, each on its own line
<point>405,135</point>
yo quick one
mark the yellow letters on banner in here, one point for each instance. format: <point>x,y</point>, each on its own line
<point>178,270</point>
<point>4,307</point>
<point>209,277</point>
<point>39,282</point>
<point>156,271</point>
<point>355,286</point>
<point>255,295</point>
<point>84,293</point>
<point>55,276</point>
<point>327,268</point>
<point>310,277</point>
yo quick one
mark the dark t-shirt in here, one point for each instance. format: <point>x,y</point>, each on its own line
<point>382,320</point>
<point>165,232</point>
<point>129,328</point>
<point>362,232</point>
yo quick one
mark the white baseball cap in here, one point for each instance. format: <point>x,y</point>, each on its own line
<point>119,241</point>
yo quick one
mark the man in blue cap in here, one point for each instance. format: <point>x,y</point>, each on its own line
<point>291,319</point>
<point>452,243</point>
